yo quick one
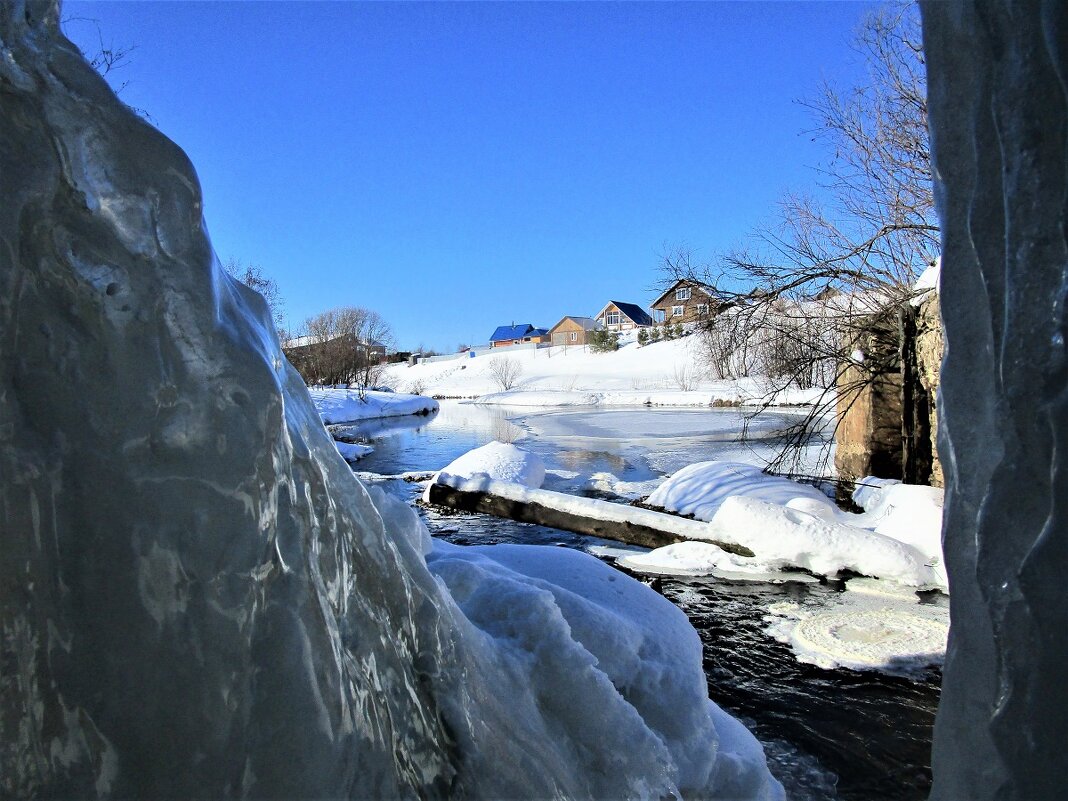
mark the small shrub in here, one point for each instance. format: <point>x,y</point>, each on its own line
<point>602,341</point>
<point>505,371</point>
<point>643,337</point>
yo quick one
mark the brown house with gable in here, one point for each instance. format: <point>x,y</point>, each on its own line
<point>684,302</point>
<point>572,331</point>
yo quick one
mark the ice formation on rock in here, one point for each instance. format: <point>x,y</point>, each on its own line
<point>199,599</point>
<point>999,134</point>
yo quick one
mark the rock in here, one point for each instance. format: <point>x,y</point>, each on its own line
<point>999,134</point>
<point>199,599</point>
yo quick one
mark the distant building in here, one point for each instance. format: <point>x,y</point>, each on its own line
<point>618,316</point>
<point>506,335</point>
<point>685,302</point>
<point>572,330</point>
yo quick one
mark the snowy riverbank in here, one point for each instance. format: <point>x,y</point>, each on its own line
<point>660,374</point>
<point>348,406</point>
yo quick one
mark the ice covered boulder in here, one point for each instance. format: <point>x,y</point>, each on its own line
<point>999,133</point>
<point>498,461</point>
<point>595,645</point>
<point>699,489</point>
<point>200,599</point>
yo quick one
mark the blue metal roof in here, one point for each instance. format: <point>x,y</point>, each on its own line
<point>511,332</point>
<point>636,313</point>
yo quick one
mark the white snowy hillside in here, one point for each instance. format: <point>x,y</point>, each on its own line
<point>662,373</point>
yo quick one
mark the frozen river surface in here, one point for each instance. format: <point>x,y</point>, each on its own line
<point>828,733</point>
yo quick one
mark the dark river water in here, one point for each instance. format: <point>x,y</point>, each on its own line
<point>828,733</point>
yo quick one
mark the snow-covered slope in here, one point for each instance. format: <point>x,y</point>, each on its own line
<point>663,373</point>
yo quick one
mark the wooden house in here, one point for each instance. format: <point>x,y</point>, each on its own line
<point>572,330</point>
<point>684,302</point>
<point>619,316</point>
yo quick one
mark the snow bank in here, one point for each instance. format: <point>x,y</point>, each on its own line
<point>898,537</point>
<point>664,397</point>
<point>571,376</point>
<point>499,461</point>
<point>559,616</point>
<point>693,558</point>
<point>700,489</point>
<point>779,537</point>
<point>784,537</point>
<point>346,406</point>
<point>351,451</point>
<point>906,512</point>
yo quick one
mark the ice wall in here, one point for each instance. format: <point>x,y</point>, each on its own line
<point>997,73</point>
<point>198,598</point>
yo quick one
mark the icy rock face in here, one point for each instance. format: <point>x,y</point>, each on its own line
<point>198,598</point>
<point>999,126</point>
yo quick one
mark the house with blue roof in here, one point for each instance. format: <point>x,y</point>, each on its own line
<point>619,316</point>
<point>524,333</point>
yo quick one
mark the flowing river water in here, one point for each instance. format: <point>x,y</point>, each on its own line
<point>828,733</point>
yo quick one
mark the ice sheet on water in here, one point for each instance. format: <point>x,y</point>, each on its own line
<point>874,625</point>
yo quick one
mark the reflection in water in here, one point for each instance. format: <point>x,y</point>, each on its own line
<point>633,444</point>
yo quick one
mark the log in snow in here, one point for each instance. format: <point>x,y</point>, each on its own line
<point>595,518</point>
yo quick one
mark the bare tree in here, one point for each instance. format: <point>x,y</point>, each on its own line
<point>252,276</point>
<point>342,346</point>
<point>828,279</point>
<point>505,371</point>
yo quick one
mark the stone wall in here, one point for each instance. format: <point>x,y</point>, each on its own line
<point>929,347</point>
<point>870,438</point>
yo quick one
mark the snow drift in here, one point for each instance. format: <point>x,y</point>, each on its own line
<point>200,599</point>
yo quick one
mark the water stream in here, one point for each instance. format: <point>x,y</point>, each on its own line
<point>828,733</point>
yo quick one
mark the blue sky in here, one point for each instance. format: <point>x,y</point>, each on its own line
<point>459,166</point>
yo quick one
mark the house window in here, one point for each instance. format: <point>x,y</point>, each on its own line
<point>677,311</point>
<point>574,336</point>
<point>702,309</point>
<point>611,318</point>
<point>682,293</point>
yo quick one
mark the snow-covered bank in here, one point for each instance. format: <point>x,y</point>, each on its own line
<point>352,451</point>
<point>498,461</point>
<point>346,405</point>
<point>700,489</point>
<point>778,537</point>
<point>559,613</point>
<point>792,525</point>
<point>660,374</point>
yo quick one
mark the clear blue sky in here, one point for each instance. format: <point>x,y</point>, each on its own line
<point>460,166</point>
